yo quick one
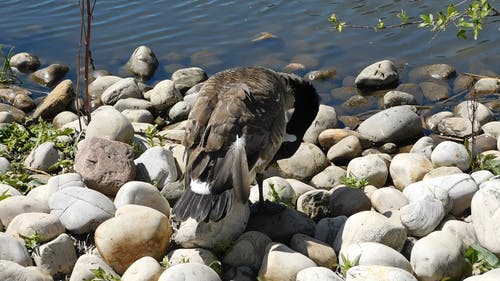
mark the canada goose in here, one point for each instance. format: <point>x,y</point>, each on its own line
<point>234,130</point>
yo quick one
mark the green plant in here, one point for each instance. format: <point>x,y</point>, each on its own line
<point>275,197</point>
<point>6,74</point>
<point>165,263</point>
<point>101,275</point>
<point>480,260</point>
<point>354,182</point>
<point>470,18</point>
<point>347,264</point>
<point>487,162</point>
<point>4,195</point>
<point>32,242</point>
<point>153,136</point>
<point>20,139</point>
<point>216,265</point>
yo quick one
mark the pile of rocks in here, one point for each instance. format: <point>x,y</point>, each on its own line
<point>420,207</point>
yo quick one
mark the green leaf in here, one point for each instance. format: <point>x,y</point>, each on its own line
<point>380,24</point>
<point>4,195</point>
<point>333,18</point>
<point>403,16</point>
<point>461,34</point>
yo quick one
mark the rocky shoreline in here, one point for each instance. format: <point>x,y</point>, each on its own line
<point>393,196</point>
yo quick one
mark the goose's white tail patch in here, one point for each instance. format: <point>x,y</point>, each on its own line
<point>200,187</point>
<point>239,143</point>
<point>290,138</point>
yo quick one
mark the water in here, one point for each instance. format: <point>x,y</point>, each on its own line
<point>218,34</point>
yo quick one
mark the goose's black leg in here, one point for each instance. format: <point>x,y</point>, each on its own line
<point>260,183</point>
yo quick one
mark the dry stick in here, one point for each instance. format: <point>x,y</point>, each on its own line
<point>78,63</point>
<point>87,59</point>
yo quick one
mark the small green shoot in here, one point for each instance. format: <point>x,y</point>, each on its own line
<point>216,265</point>
<point>153,136</point>
<point>347,264</point>
<point>353,182</point>
<point>101,275</point>
<point>32,242</point>
<point>6,74</point>
<point>275,197</point>
<point>4,195</point>
<point>165,262</point>
<point>480,260</point>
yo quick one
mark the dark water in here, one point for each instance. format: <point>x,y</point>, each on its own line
<point>218,34</point>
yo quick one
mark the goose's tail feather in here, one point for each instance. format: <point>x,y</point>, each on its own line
<point>203,207</point>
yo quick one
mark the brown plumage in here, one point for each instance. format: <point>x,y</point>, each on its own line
<point>235,129</point>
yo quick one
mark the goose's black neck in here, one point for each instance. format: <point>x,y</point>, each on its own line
<point>306,106</point>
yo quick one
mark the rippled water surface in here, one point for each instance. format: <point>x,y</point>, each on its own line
<point>218,34</point>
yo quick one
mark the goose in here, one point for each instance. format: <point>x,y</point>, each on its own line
<point>236,127</point>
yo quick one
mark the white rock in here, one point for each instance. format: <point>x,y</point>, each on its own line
<point>481,176</point>
<point>442,171</point>
<point>388,199</point>
<point>492,128</point>
<point>421,217</point>
<point>395,124</point>
<point>346,149</point>
<point>370,167</point>
<point>330,177</point>
<point>370,226</point>
<point>436,256</point>
<point>406,168</point>
<point>64,117</point>
<point>47,226</point>
<point>138,115</point>
<point>86,263</point>
<point>142,193</point>
<point>143,269</point>
<point>122,89</point>
<point>274,186</point>
<point>43,157</point>
<point>423,190</point>
<point>157,164</point>
<point>485,209</point>
<point>138,231</point>
<point>326,118</point>
<point>81,210</point>
<point>11,271</point>
<point>11,249</point>
<point>142,62</point>
<point>378,273</point>
<point>6,189</point>
<point>282,263</point>
<point>208,234</point>
<point>57,256</point>
<point>448,153</point>
<point>433,121</point>
<point>316,274</point>
<point>110,124</point>
<point>189,272</point>
<point>423,145</point>
<point>321,253</point>
<point>197,255</point>
<point>462,230</point>
<point>370,253</point>
<point>380,74</point>
<point>164,95</point>
<point>15,205</point>
<point>4,165</point>
<point>483,114</point>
